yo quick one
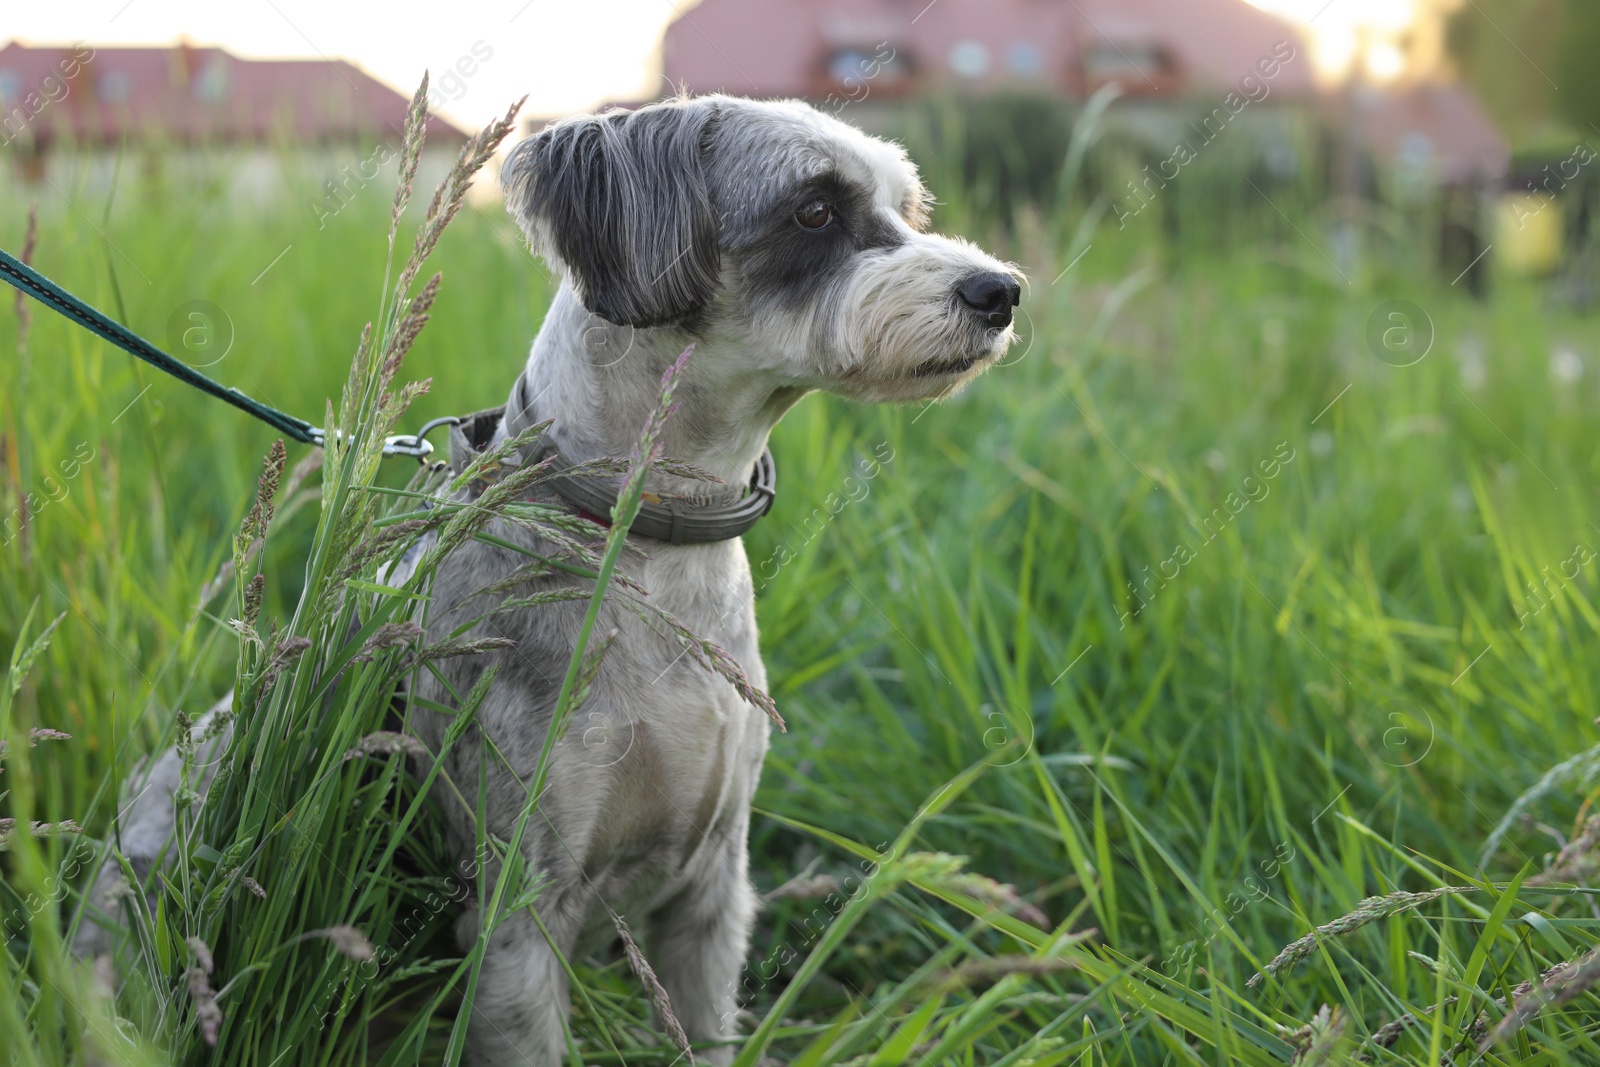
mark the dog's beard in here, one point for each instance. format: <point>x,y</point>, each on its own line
<point>907,374</point>
<point>901,332</point>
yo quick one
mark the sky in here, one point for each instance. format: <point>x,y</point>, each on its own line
<point>571,55</point>
<point>566,55</point>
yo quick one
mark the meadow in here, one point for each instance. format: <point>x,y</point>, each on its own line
<point>1197,625</point>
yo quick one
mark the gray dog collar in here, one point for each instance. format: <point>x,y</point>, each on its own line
<point>677,522</point>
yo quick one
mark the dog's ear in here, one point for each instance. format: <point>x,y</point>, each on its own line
<point>620,201</point>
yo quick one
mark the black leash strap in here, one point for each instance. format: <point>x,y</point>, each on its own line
<point>25,278</point>
<point>675,522</point>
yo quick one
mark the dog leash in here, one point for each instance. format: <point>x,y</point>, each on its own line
<point>59,300</point>
<point>662,520</point>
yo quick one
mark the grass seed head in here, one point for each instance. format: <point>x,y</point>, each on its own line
<point>410,152</point>
<point>350,942</point>
<point>1367,912</point>
<point>389,635</point>
<point>387,743</point>
<point>1563,983</point>
<point>658,992</point>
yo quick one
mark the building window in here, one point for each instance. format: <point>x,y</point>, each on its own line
<point>115,87</point>
<point>969,58</point>
<point>10,86</point>
<point>1139,67</point>
<point>847,65</point>
<point>211,85</point>
<point>1024,59</point>
<point>855,71</point>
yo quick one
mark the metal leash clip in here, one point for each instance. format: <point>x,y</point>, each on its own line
<point>402,444</point>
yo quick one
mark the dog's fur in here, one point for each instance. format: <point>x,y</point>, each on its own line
<point>673,224</point>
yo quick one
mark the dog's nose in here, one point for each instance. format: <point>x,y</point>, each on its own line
<point>992,295</point>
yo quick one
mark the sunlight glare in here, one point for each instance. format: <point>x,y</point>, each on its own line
<point>1380,40</point>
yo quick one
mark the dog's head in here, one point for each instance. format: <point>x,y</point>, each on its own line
<point>771,232</point>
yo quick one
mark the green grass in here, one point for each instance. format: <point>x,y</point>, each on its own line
<point>1331,698</point>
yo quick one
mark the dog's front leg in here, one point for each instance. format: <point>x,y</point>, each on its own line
<point>697,943</point>
<point>522,994</point>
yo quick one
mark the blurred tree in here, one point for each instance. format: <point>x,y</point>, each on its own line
<point>1577,71</point>
<point>1512,52</point>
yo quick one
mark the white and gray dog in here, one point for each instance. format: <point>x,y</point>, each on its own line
<point>789,248</point>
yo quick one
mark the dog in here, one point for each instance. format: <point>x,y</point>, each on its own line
<point>791,250</point>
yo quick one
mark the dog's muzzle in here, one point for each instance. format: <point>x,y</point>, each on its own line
<point>991,295</point>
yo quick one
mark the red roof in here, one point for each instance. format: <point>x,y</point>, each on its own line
<point>786,47</point>
<point>194,94</point>
<point>838,51</point>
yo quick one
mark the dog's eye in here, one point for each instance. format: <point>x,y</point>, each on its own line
<point>815,215</point>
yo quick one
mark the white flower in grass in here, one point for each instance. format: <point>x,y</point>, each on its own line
<point>1566,366</point>
<point>1474,366</point>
